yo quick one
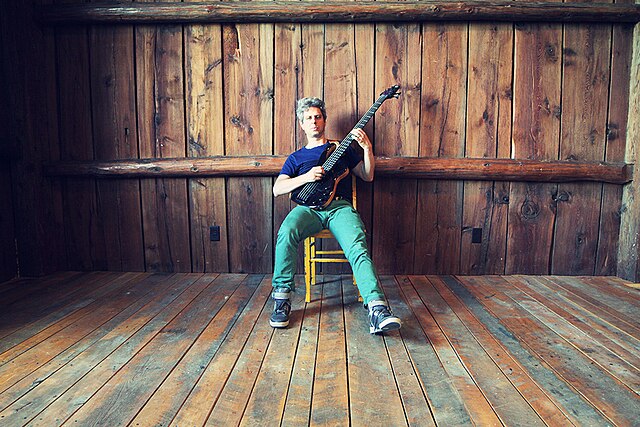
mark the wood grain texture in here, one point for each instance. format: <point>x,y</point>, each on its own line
<point>205,125</point>
<point>586,73</point>
<point>536,127</point>
<point>79,196</point>
<point>397,50</point>
<point>160,94</point>
<point>609,231</point>
<point>444,76</point>
<point>248,73</point>
<point>628,248</point>
<point>287,78</point>
<point>362,11</point>
<point>341,98</point>
<point>197,349</point>
<point>488,134</point>
<point>32,101</point>
<point>115,137</point>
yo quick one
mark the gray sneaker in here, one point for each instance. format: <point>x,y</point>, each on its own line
<point>281,308</point>
<point>381,319</point>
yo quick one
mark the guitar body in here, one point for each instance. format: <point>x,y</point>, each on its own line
<point>324,191</point>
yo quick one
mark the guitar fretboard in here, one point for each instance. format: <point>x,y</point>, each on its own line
<point>333,159</point>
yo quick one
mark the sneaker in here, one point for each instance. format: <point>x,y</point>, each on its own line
<point>281,308</point>
<point>381,319</point>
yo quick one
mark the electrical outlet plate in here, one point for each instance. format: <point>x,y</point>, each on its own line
<point>214,233</point>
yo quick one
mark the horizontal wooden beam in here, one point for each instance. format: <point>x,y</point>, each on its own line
<point>338,11</point>
<point>400,167</point>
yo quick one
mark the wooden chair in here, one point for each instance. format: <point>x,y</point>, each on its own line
<point>312,255</point>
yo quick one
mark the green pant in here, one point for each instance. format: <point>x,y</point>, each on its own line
<point>345,224</point>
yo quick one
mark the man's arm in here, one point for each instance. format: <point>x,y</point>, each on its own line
<point>365,170</point>
<point>285,184</point>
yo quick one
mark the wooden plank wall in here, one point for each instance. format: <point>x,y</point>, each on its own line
<point>8,265</point>
<point>496,90</point>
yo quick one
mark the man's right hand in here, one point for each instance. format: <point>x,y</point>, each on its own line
<point>316,173</point>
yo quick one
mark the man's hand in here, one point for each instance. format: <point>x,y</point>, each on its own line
<point>362,139</point>
<point>365,169</point>
<point>316,173</point>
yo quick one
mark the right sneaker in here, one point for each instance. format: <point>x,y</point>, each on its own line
<point>281,308</point>
<point>381,319</point>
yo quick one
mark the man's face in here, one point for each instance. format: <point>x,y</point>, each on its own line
<point>313,123</point>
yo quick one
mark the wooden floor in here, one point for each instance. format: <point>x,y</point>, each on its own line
<point>191,350</point>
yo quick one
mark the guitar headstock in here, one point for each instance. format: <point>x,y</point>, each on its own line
<point>391,92</point>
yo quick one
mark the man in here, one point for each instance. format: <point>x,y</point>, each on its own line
<point>339,217</point>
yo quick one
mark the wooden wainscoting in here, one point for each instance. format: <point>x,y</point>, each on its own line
<point>144,349</point>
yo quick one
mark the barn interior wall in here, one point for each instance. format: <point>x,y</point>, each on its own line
<point>524,91</point>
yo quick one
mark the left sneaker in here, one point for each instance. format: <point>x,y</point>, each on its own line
<point>381,319</point>
<point>281,308</point>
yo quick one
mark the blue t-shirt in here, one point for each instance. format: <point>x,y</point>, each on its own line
<point>301,161</point>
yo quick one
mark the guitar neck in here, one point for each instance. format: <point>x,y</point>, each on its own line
<point>332,160</point>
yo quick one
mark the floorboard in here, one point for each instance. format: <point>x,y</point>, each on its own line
<point>143,349</point>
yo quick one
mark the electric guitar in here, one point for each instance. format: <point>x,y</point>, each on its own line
<point>318,194</point>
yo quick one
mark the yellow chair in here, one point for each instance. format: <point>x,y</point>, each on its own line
<point>312,255</point>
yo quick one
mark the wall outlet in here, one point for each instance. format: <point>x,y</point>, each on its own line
<point>476,235</point>
<point>214,233</point>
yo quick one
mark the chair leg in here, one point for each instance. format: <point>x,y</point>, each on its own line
<point>356,285</point>
<point>312,245</point>
<point>307,269</point>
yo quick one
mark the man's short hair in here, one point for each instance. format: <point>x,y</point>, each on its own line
<point>305,103</point>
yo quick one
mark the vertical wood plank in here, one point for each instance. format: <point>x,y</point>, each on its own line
<point>365,72</point>
<point>8,256</point>
<point>340,94</point>
<point>439,207</point>
<point>83,236</point>
<point>488,135</point>
<point>248,79</point>
<point>162,134</point>
<point>287,72</point>
<point>536,111</point>
<point>616,139</point>
<point>584,102</point>
<point>205,135</point>
<point>29,55</point>
<point>398,49</point>
<point>115,137</point>
<point>629,246</point>
<point>310,80</point>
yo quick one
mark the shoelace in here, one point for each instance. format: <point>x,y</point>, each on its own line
<point>282,306</point>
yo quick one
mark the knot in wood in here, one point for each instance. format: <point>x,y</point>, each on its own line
<point>562,196</point>
<point>530,210</point>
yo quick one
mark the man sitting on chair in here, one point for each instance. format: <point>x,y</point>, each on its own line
<point>339,217</point>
